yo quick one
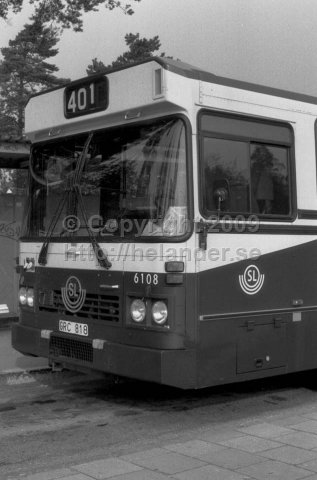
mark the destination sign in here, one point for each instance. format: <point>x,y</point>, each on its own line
<point>85,97</point>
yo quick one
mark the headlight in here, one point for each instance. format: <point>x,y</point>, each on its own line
<point>22,296</point>
<point>138,310</point>
<point>159,313</point>
<point>30,297</point>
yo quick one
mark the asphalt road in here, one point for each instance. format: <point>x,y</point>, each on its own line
<point>53,420</point>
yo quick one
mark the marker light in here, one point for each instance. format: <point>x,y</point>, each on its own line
<point>137,310</point>
<point>30,297</point>
<point>174,266</point>
<point>159,313</point>
<point>22,296</point>
<point>158,82</point>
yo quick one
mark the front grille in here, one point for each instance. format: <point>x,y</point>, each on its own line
<point>71,348</point>
<point>96,307</point>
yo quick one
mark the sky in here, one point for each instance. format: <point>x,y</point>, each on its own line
<point>268,42</point>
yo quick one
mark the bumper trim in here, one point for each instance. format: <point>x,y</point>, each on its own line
<point>170,367</point>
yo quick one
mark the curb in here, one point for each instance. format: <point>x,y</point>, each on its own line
<point>26,371</point>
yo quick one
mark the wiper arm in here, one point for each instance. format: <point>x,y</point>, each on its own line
<point>73,186</point>
<point>44,249</point>
<point>100,255</point>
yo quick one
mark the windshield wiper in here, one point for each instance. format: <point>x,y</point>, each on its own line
<point>100,255</point>
<point>74,186</point>
<point>42,260</point>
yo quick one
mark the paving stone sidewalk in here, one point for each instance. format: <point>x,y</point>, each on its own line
<point>284,448</point>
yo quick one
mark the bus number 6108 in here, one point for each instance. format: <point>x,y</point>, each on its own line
<point>146,278</point>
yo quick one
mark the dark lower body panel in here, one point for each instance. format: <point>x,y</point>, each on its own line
<point>169,367</point>
<point>231,349</point>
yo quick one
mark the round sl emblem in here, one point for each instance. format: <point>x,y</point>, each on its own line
<point>73,295</point>
<point>252,280</point>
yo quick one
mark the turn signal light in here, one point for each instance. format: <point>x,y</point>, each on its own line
<point>174,266</point>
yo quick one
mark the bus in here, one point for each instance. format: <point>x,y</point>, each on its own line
<point>171,228</point>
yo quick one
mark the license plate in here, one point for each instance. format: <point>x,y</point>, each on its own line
<point>73,327</point>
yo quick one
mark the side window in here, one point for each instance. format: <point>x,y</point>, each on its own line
<point>244,166</point>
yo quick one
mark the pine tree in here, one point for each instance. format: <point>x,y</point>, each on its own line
<point>139,49</point>
<point>24,71</point>
<point>65,13</point>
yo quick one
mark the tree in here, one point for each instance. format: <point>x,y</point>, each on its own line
<point>24,71</point>
<point>65,13</point>
<point>139,49</point>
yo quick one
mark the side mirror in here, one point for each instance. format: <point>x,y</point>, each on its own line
<point>221,193</point>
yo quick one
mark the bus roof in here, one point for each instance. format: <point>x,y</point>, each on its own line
<point>196,73</point>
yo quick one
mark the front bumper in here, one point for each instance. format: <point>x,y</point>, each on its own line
<point>169,367</point>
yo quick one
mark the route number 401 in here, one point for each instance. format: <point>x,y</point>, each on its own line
<point>87,96</point>
<point>146,278</point>
<point>82,98</point>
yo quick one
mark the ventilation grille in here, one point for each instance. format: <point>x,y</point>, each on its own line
<point>71,348</point>
<point>96,307</point>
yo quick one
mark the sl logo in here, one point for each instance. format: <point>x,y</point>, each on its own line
<point>73,295</point>
<point>252,280</point>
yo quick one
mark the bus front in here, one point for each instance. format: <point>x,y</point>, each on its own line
<point>102,260</point>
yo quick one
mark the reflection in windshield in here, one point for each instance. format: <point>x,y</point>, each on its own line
<point>134,175</point>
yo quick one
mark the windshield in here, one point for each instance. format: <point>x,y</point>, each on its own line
<point>127,181</point>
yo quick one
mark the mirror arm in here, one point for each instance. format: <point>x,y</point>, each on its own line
<point>202,228</point>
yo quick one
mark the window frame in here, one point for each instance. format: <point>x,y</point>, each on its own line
<point>202,134</point>
<point>27,237</point>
